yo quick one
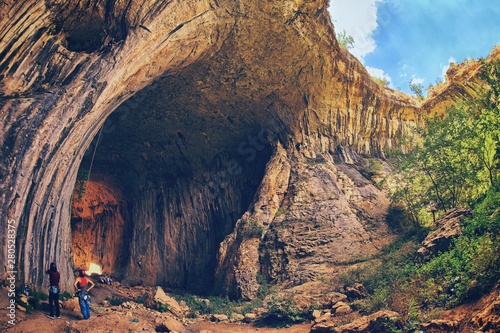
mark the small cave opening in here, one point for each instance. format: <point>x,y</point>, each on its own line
<point>164,184</point>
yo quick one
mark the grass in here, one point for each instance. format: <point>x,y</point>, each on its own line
<point>210,305</point>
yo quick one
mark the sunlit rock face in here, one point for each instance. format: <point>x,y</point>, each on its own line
<point>213,111</point>
<point>100,228</point>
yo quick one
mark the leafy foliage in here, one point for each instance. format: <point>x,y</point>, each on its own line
<point>417,89</point>
<point>141,299</point>
<point>252,229</point>
<point>115,301</point>
<point>209,305</point>
<point>454,158</point>
<point>345,40</point>
<point>282,312</point>
<point>380,81</point>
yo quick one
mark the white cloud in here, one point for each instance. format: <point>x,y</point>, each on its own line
<point>377,72</point>
<point>417,80</point>
<point>359,19</point>
<point>445,68</point>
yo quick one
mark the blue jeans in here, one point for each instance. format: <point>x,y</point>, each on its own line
<point>84,306</point>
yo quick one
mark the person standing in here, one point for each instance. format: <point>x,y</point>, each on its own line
<point>54,278</point>
<point>83,285</point>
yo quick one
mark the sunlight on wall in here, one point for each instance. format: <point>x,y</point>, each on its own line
<point>94,269</point>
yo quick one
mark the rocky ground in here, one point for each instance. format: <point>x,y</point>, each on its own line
<point>333,314</point>
<point>129,316</point>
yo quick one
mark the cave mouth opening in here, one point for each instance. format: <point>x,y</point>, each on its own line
<point>163,185</point>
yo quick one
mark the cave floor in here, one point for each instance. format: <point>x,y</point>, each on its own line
<point>120,319</point>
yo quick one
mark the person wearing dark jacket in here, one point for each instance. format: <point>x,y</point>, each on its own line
<point>54,278</point>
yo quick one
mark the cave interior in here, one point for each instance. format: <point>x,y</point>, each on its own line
<point>165,181</point>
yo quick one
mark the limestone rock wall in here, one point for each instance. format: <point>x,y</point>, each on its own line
<point>309,215</point>
<point>213,77</point>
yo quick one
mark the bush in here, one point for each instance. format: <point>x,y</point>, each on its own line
<point>215,305</point>
<point>263,286</point>
<point>115,301</point>
<point>252,229</point>
<point>398,218</point>
<point>142,298</point>
<point>380,81</point>
<point>282,312</point>
<point>66,295</point>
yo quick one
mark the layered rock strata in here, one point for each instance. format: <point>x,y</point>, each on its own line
<point>201,89</point>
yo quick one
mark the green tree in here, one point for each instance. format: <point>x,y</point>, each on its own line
<point>417,89</point>
<point>380,81</point>
<point>453,159</point>
<point>345,40</point>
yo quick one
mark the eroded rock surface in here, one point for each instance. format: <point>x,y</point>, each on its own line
<point>331,215</point>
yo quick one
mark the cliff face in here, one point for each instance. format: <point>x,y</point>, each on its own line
<point>225,125</point>
<point>462,83</point>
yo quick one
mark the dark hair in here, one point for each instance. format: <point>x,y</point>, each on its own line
<point>53,267</point>
<point>82,273</point>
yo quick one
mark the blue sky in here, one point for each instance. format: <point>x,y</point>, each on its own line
<point>415,40</point>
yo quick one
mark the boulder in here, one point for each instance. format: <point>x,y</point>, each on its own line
<point>72,304</point>
<point>338,305</point>
<point>324,317</point>
<point>316,314</point>
<point>447,228</point>
<point>249,317</point>
<point>356,291</point>
<point>259,311</point>
<point>238,317</point>
<point>219,317</point>
<point>160,298</point>
<point>439,326</point>
<point>343,310</point>
<point>336,297</point>
<point>488,320</point>
<point>168,324</point>
<point>368,324</point>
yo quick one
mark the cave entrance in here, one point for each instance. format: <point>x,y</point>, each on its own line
<point>170,177</point>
